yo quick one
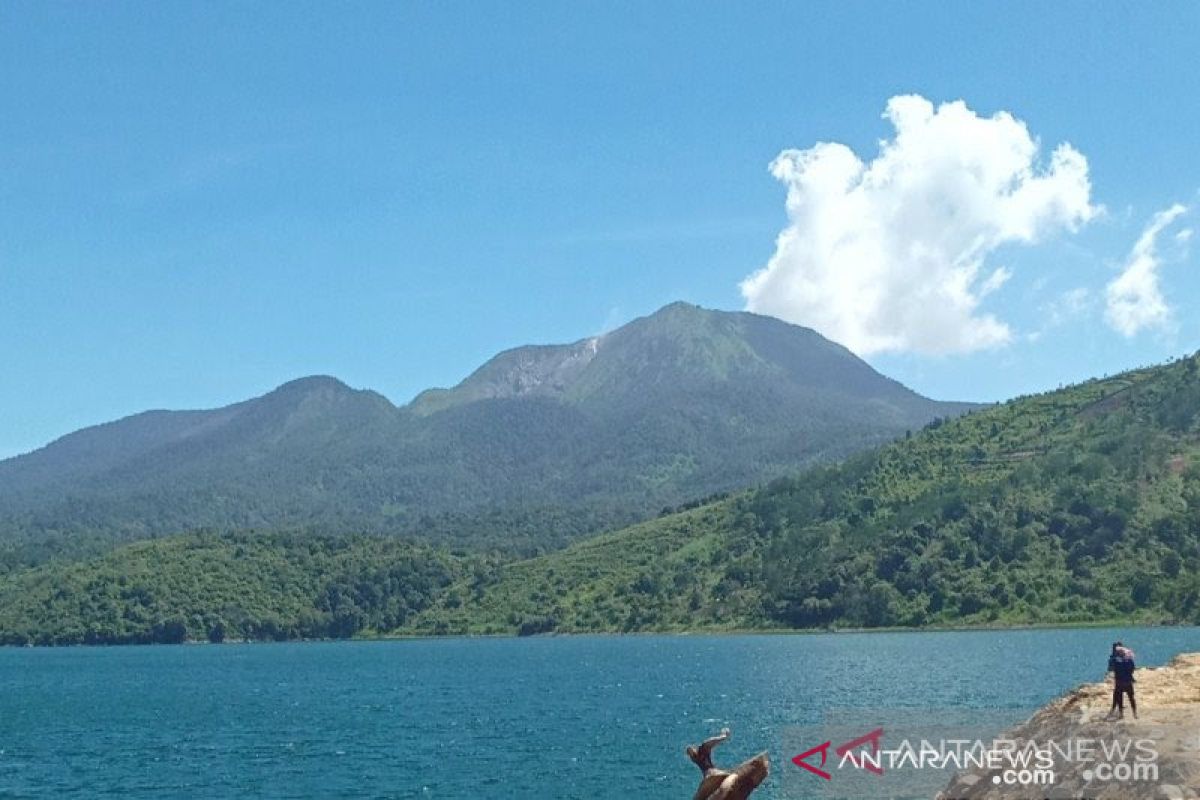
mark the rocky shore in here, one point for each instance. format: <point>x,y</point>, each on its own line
<point>1155,757</point>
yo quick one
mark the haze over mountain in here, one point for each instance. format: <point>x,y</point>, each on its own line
<point>539,444</point>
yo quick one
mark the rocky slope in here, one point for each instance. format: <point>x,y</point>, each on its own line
<point>1168,725</point>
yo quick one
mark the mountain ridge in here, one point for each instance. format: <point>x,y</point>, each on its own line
<point>522,370</point>
<point>1075,506</point>
<point>671,406</point>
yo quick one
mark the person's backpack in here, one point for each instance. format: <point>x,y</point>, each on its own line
<point>1122,668</point>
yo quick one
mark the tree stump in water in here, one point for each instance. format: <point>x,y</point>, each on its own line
<point>720,784</point>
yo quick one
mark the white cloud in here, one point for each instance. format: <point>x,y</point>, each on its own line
<point>994,281</point>
<point>890,255</point>
<point>1134,299</point>
<point>1070,304</point>
<point>1067,307</point>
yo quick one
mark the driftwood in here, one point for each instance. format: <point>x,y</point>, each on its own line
<point>720,784</point>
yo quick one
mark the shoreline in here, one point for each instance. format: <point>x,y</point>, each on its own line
<point>1169,703</point>
<point>965,628</point>
<point>730,632</point>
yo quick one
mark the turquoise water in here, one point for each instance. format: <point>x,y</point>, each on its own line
<point>579,717</point>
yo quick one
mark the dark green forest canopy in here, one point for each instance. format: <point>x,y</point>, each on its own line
<point>1080,505</point>
<point>220,587</point>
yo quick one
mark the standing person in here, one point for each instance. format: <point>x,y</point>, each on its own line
<point>1121,665</point>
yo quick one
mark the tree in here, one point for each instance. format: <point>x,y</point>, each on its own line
<point>171,631</point>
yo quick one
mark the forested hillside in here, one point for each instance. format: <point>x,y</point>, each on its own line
<point>539,446</point>
<point>219,587</point>
<point>1080,505</point>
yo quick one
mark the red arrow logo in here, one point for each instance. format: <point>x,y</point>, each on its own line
<point>800,760</point>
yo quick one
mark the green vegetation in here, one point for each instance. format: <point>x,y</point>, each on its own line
<point>1074,506</point>
<point>677,573</point>
<point>1080,505</point>
<point>224,587</point>
<point>539,447</point>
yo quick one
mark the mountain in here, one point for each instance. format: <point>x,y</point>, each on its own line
<point>679,350</point>
<point>1076,506</point>
<point>539,445</point>
<point>1081,505</point>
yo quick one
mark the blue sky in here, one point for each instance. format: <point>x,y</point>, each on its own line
<point>201,201</point>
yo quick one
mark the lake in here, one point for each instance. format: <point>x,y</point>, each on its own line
<point>569,717</point>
